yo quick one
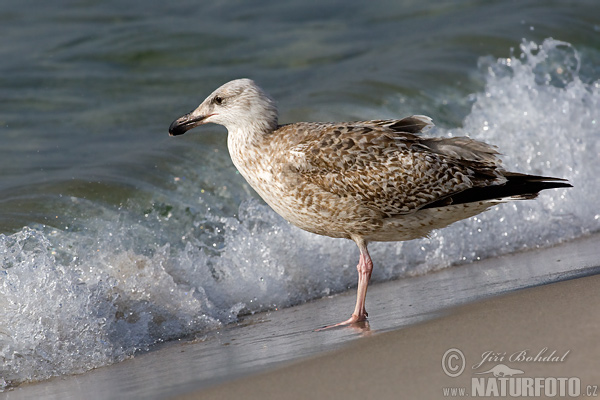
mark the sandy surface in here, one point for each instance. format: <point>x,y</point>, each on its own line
<point>559,321</point>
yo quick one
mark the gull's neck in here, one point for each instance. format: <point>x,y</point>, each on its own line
<point>248,147</point>
<point>250,132</point>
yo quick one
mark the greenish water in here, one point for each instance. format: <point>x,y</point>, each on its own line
<point>129,237</point>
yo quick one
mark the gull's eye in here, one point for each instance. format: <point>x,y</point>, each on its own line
<point>218,100</point>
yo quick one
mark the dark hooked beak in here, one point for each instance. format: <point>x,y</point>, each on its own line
<point>185,123</point>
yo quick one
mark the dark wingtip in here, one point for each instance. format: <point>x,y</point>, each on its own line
<point>518,187</point>
<point>562,185</point>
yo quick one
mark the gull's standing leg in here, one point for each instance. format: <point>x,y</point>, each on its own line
<point>364,268</point>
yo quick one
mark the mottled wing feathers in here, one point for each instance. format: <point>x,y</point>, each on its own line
<point>389,170</point>
<point>464,149</point>
<point>414,124</point>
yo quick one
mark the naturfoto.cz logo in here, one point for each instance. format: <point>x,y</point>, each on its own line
<point>504,380</point>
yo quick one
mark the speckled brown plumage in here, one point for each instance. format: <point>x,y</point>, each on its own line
<point>381,180</point>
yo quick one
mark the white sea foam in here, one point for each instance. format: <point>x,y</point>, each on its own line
<point>72,300</point>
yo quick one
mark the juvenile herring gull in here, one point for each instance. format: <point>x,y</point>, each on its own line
<point>380,180</point>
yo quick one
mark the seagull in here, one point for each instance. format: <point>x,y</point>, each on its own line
<point>368,181</point>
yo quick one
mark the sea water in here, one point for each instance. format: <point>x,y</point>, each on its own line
<point>96,280</point>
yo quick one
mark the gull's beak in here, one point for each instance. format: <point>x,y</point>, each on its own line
<point>188,121</point>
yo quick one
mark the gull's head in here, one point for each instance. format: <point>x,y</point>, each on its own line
<point>237,105</point>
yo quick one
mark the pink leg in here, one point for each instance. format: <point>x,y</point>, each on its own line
<point>365,268</point>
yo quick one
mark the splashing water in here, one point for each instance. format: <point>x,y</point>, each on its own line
<point>76,299</point>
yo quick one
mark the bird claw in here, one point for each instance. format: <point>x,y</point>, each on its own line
<point>355,321</point>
